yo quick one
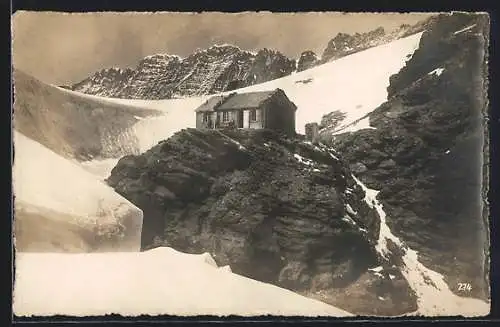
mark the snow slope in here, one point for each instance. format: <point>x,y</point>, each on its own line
<point>434,296</point>
<point>159,281</point>
<point>61,207</point>
<point>73,126</point>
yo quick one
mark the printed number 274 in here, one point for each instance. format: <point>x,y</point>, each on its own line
<point>464,287</point>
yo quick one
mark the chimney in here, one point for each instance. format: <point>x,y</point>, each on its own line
<point>312,132</point>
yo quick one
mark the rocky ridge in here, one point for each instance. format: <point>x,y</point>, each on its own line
<point>163,76</point>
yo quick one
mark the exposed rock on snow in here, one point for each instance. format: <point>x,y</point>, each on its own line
<point>307,60</point>
<point>159,281</point>
<point>61,207</point>
<point>345,44</point>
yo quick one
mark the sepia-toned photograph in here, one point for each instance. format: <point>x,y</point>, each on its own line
<point>313,164</point>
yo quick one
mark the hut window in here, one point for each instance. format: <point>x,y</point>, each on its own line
<point>225,116</point>
<point>253,115</point>
<point>205,116</point>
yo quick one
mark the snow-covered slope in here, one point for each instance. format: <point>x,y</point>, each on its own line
<point>159,281</point>
<point>61,207</point>
<point>71,125</point>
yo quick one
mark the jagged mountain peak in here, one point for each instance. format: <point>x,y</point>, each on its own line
<point>222,48</point>
<point>162,76</point>
<point>116,69</point>
<point>165,56</point>
<point>307,60</point>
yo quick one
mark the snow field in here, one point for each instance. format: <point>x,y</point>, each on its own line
<point>159,281</point>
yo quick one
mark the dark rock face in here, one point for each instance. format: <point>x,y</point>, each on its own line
<point>274,208</point>
<point>162,76</point>
<point>307,60</point>
<point>425,155</point>
<point>343,43</point>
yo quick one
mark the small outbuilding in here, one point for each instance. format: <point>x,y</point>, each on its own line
<point>254,110</point>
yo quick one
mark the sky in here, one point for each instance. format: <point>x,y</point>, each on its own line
<point>64,48</point>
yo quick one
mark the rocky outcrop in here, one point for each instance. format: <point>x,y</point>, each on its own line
<point>424,154</point>
<point>307,60</point>
<point>163,76</point>
<point>275,208</point>
<point>345,44</point>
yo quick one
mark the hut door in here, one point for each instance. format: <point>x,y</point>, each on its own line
<point>240,119</point>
